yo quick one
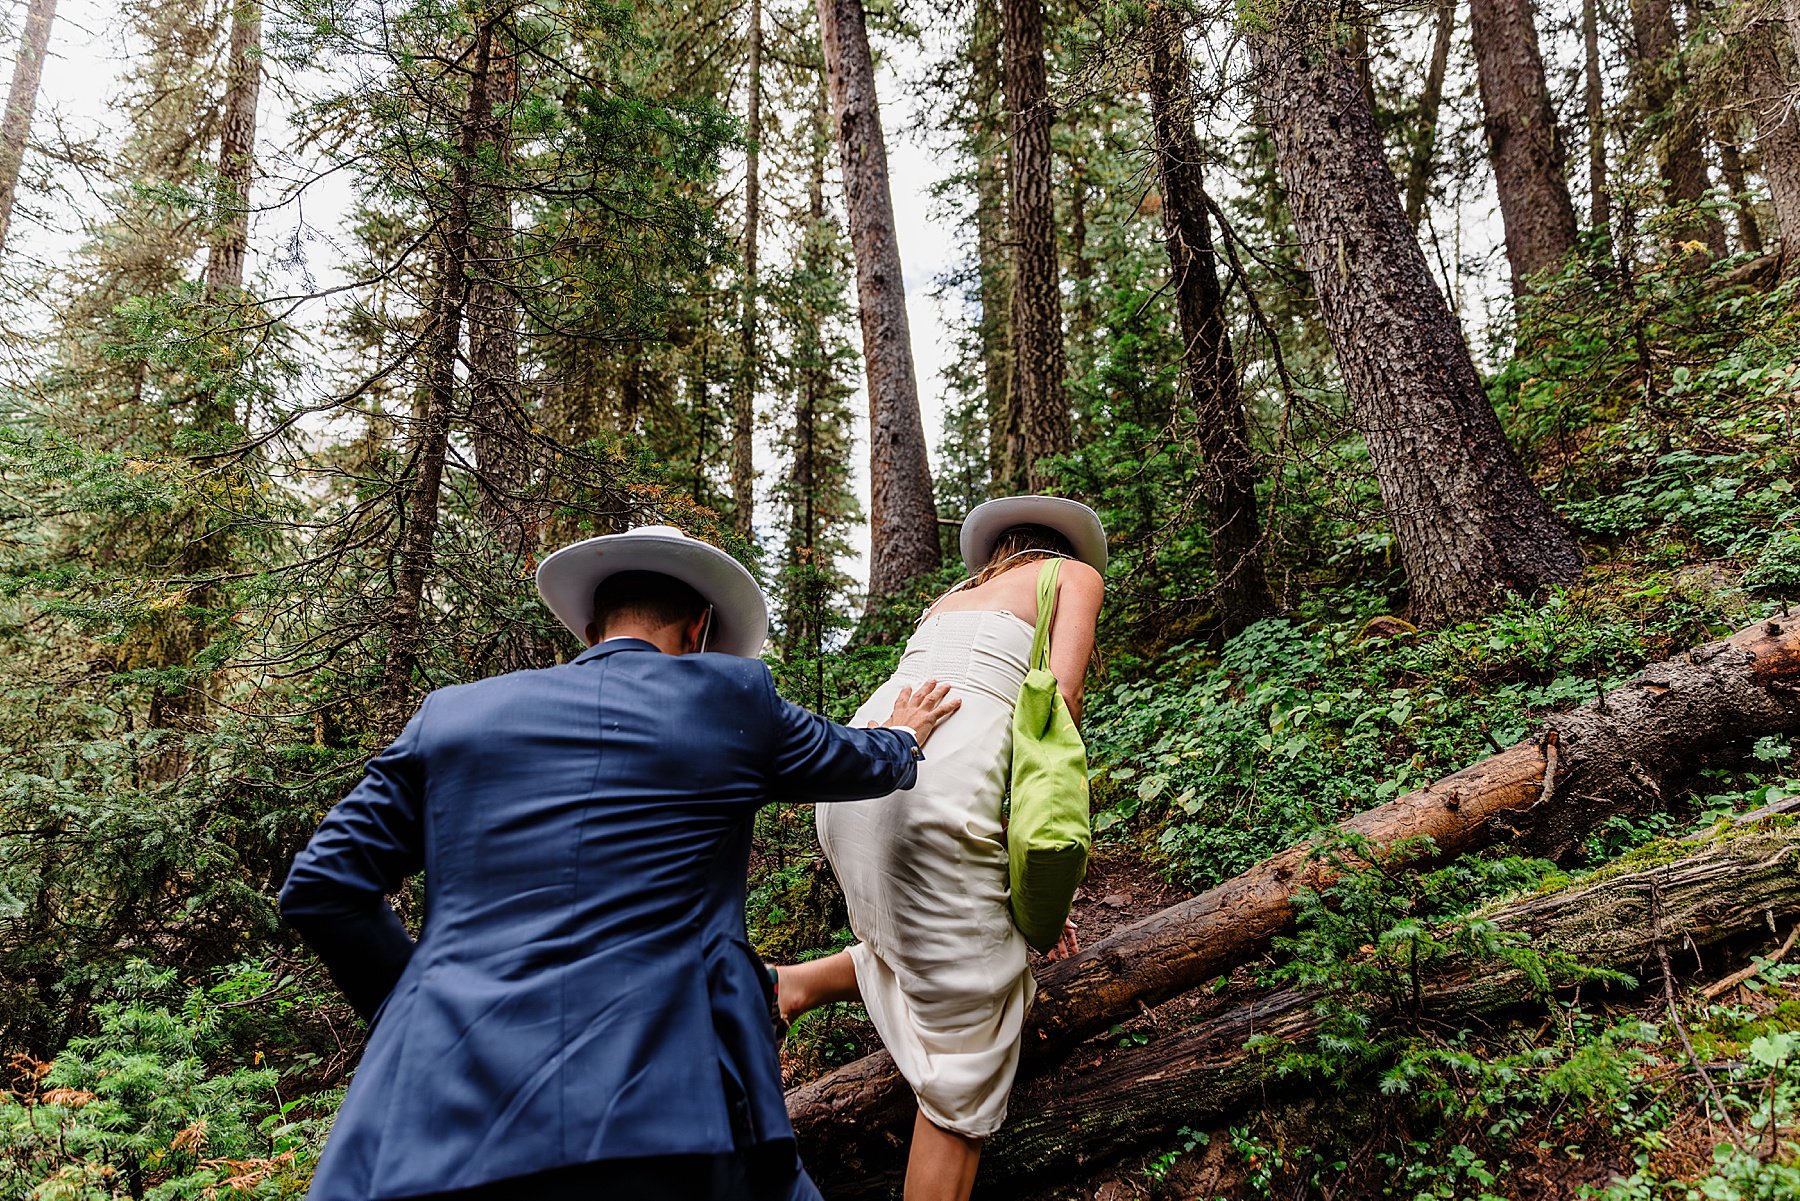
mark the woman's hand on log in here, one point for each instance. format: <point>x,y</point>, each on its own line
<point>1069,944</point>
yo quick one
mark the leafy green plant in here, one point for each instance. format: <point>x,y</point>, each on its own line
<point>1187,1142</point>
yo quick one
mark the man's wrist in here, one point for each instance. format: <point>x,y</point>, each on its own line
<point>918,751</point>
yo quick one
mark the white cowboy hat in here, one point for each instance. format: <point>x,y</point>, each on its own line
<point>567,579</point>
<point>982,528</point>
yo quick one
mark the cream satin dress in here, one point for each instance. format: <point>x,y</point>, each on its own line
<point>942,968</point>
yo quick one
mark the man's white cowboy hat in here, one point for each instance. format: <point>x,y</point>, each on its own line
<point>982,528</point>
<point>567,579</point>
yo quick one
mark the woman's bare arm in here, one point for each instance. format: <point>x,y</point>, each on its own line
<point>1072,632</point>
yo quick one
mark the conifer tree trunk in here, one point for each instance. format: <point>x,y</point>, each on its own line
<point>237,149</point>
<point>1431,101</point>
<point>1006,427</point>
<point>1468,521</point>
<point>1680,148</point>
<point>903,536</point>
<point>802,624</point>
<point>1227,466</point>
<point>1594,102</point>
<point>1523,143</point>
<point>423,485</point>
<point>743,398</point>
<point>1731,167</point>
<point>1038,363</point>
<point>499,425</point>
<point>21,104</point>
<point>1769,69</point>
<point>500,431</point>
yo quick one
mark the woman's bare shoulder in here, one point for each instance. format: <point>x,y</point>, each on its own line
<point>1082,578</point>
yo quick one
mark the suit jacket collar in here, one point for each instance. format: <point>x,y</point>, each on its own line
<point>614,645</point>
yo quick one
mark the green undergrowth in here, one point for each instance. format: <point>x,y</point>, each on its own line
<point>172,1097</point>
<point>1603,1101</point>
<point>1210,761</point>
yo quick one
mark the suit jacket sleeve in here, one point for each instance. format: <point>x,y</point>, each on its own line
<point>816,759</point>
<point>336,892</point>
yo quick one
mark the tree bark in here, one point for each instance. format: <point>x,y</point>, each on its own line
<point>1769,67</point>
<point>431,437</point>
<point>1006,427</point>
<point>21,105</point>
<point>1066,1124</point>
<point>237,150</point>
<point>500,428</point>
<point>1524,144</point>
<point>1680,147</point>
<point>1431,103</point>
<point>1731,166</point>
<point>803,621</point>
<point>903,536</point>
<point>499,425</point>
<point>1468,521</point>
<point>1620,754</point>
<point>1594,101</point>
<point>1227,464</point>
<point>743,399</point>
<point>1038,364</point>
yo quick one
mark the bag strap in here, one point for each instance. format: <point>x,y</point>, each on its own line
<point>1048,575</point>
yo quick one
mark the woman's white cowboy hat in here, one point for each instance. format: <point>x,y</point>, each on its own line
<point>982,528</point>
<point>740,624</point>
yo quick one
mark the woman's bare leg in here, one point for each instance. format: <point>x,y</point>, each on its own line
<point>942,1164</point>
<point>819,982</point>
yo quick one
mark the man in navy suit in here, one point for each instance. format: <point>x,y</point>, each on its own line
<point>582,1015</point>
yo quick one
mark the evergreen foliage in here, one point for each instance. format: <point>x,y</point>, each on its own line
<point>245,526</point>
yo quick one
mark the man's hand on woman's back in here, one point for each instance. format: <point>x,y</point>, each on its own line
<point>921,709</point>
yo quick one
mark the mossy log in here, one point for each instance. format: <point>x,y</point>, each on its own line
<point>1720,893</point>
<point>1617,755</point>
<point>1129,1099</point>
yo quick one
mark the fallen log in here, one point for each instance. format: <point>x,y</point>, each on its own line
<point>1746,885</point>
<point>1619,754</point>
<point>1724,892</point>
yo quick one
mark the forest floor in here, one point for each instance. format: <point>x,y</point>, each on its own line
<point>1567,1152</point>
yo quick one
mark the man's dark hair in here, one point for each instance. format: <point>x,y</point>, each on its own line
<point>647,596</point>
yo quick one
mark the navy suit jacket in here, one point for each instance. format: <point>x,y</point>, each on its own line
<point>583,988</point>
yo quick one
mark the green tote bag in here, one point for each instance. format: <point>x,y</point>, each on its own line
<point>1048,837</point>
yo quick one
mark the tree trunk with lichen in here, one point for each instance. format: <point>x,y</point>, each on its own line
<point>1621,754</point>
<point>1470,524</point>
<point>21,104</point>
<point>743,386</point>
<point>903,533</point>
<point>421,490</point>
<point>1524,143</point>
<point>1431,102</point>
<point>1038,361</point>
<point>1678,141</point>
<point>189,628</point>
<point>1769,66</point>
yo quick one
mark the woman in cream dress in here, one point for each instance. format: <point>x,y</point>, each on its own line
<point>938,962</point>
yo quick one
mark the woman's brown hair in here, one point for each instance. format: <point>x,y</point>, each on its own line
<point>1015,546</point>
